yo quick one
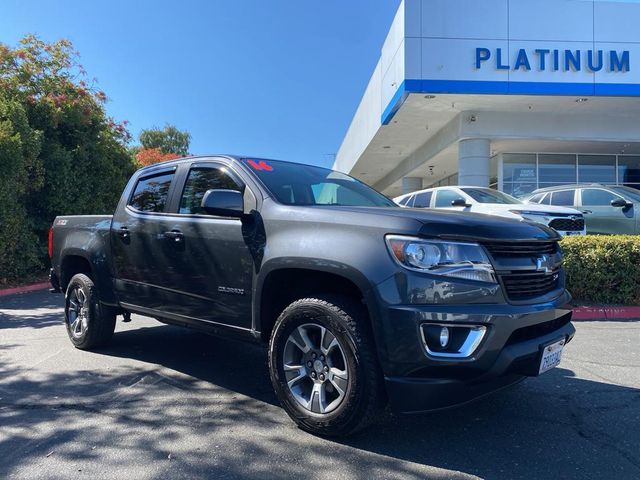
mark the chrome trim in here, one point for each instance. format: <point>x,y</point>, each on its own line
<point>468,348</point>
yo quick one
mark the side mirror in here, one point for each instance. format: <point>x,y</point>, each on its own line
<point>620,203</point>
<point>459,202</point>
<point>223,203</point>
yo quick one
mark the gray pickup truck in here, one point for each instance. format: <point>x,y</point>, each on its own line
<point>361,303</point>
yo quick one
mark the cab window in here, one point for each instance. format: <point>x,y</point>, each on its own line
<point>445,197</point>
<point>422,200</point>
<point>151,193</point>
<point>596,197</point>
<point>536,198</point>
<point>200,180</point>
<point>563,198</point>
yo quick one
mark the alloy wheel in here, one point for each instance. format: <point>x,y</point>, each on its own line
<point>315,368</point>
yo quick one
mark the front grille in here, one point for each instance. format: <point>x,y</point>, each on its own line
<point>521,286</point>
<point>523,267</point>
<point>540,330</point>
<point>521,249</point>
<point>567,224</point>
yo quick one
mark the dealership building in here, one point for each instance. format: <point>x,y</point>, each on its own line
<point>513,94</point>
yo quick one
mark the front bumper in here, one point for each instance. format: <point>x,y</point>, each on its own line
<point>509,351</point>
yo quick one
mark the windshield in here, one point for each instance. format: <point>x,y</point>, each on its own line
<point>632,193</point>
<point>297,184</point>
<point>486,195</point>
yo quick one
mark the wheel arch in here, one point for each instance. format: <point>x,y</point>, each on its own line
<point>290,279</point>
<point>74,261</point>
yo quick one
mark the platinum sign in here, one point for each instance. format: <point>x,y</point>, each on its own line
<point>545,59</point>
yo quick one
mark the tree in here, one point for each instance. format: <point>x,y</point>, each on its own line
<point>167,140</point>
<point>59,151</point>
<point>149,156</point>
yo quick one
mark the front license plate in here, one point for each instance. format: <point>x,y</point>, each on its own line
<point>551,356</point>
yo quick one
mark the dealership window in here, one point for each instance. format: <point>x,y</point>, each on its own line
<point>597,169</point>
<point>556,169</point>
<point>629,170</point>
<point>520,175</point>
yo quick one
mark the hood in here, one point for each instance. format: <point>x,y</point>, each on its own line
<point>433,223</point>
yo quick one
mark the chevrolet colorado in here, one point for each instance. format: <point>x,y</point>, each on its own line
<point>361,302</point>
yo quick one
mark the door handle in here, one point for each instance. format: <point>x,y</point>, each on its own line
<point>175,235</point>
<point>123,232</point>
<point>587,212</point>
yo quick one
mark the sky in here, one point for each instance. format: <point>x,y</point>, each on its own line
<point>271,78</point>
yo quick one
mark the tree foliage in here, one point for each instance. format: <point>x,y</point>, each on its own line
<point>168,140</point>
<point>59,151</point>
<point>149,156</point>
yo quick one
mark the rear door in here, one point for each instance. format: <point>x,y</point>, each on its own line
<point>601,217</point>
<point>137,253</point>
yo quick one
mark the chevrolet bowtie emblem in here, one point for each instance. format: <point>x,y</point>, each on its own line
<point>543,264</point>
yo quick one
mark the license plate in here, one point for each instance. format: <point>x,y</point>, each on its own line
<point>551,356</point>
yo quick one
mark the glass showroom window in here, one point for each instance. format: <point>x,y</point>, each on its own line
<point>556,169</point>
<point>629,171</point>
<point>597,169</point>
<point>519,173</point>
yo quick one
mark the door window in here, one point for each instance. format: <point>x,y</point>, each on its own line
<point>422,200</point>
<point>536,198</point>
<point>445,197</point>
<point>151,193</point>
<point>596,197</point>
<point>200,180</point>
<point>404,201</point>
<point>563,198</point>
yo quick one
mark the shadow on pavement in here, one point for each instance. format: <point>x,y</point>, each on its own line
<point>31,310</point>
<point>216,413</point>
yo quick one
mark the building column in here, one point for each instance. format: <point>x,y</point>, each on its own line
<point>474,162</point>
<point>411,184</point>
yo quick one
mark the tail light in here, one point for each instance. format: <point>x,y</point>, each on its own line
<point>50,242</point>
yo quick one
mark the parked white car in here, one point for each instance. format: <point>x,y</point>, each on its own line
<point>566,221</point>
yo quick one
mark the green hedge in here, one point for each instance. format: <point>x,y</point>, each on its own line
<point>603,269</point>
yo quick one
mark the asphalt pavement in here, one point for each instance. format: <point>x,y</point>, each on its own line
<point>164,402</point>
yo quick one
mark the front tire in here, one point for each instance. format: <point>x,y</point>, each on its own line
<point>88,323</point>
<point>323,366</point>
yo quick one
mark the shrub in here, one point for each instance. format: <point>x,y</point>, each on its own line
<point>603,269</point>
<point>60,153</point>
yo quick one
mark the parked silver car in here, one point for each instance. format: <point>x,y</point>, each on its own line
<point>607,209</point>
<point>566,221</point>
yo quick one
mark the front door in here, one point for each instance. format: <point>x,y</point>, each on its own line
<point>601,217</point>
<point>211,259</point>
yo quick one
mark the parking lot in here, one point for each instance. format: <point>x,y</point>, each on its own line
<point>163,402</point>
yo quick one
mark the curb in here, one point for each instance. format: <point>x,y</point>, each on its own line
<point>606,313</point>
<point>25,288</point>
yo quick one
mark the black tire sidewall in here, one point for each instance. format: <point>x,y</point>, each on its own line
<point>91,336</point>
<point>347,414</point>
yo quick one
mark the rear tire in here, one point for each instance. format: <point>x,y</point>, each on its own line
<point>89,324</point>
<point>323,366</point>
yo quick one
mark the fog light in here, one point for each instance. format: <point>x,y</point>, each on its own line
<point>444,337</point>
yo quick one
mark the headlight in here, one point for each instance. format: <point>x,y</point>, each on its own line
<point>452,259</point>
